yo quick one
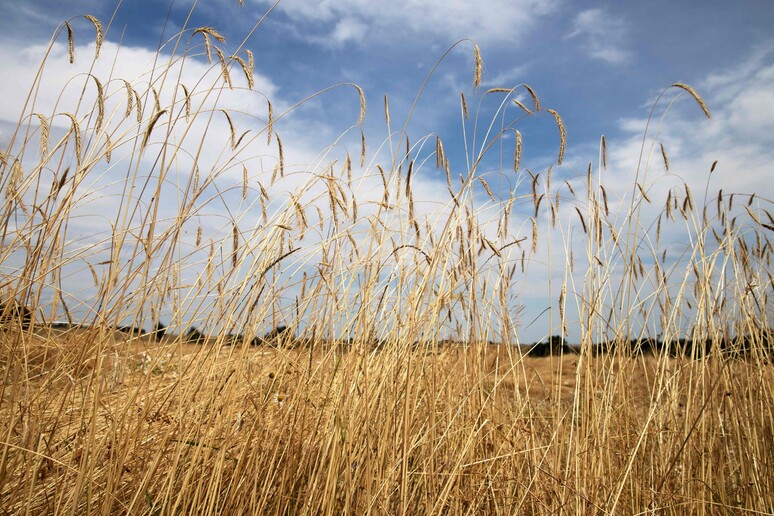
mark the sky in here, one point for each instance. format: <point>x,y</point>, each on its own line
<point>600,65</point>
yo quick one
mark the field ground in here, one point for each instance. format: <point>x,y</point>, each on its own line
<point>109,423</point>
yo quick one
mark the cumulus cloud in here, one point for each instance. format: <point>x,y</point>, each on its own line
<point>736,137</point>
<point>602,35</point>
<point>62,83</point>
<point>739,99</point>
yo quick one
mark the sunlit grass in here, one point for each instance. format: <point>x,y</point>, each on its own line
<point>154,243</point>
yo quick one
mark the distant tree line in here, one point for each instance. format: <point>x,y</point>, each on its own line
<point>15,314</point>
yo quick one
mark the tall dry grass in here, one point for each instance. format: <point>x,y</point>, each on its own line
<point>400,390</point>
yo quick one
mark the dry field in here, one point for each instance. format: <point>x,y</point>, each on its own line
<point>151,201</point>
<point>142,427</point>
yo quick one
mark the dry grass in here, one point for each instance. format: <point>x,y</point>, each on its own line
<point>202,428</point>
<point>387,396</point>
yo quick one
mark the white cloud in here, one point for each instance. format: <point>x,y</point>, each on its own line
<point>602,35</point>
<point>737,137</point>
<point>435,20</point>
<point>62,83</point>
<point>349,29</point>
<point>741,109</point>
<point>726,83</point>
<point>751,112</point>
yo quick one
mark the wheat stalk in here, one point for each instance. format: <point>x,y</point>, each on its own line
<point>57,186</point>
<point>99,35</point>
<point>362,148</point>
<point>570,188</point>
<point>230,127</point>
<point>695,96</point>
<point>361,96</point>
<point>206,32</point>
<point>149,129</point>
<point>537,201</point>
<point>44,133</point>
<point>604,200</point>
<point>688,196</point>
<point>387,111</point>
<point>270,122</point>
<point>129,98</point>
<point>247,71</point>
<point>522,106</point>
<point>138,104</point>
<point>76,131</point>
<point>70,42</point>
<point>534,235</point>
<point>408,178</point>
<point>479,66</point>
<point>439,156</point>
<point>17,176</point>
<point>235,238</point>
<point>224,68</point>
<point>664,155</point>
<point>250,62</point>
<point>244,182</point>
<point>281,156</point>
<point>642,192</point>
<point>108,148</point>
<point>583,221</point>
<point>533,95</point>
<point>156,100</point>
<point>548,178</point>
<point>486,187</point>
<point>562,135</point>
<point>100,105</point>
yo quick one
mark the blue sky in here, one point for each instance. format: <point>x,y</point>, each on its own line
<point>600,65</point>
<point>595,62</point>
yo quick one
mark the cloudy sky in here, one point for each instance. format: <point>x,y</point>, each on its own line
<point>600,65</point>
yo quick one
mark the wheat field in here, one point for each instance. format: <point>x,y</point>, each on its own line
<point>146,281</point>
